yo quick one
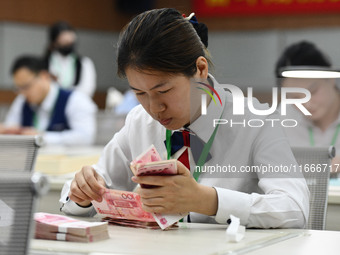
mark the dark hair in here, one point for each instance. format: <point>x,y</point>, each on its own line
<point>201,30</point>
<point>33,63</point>
<point>162,40</point>
<point>301,54</point>
<point>56,29</point>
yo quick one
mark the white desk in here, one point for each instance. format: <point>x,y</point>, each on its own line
<point>194,238</point>
<point>76,157</point>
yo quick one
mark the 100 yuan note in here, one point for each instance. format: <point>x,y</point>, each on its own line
<point>150,155</point>
<point>119,204</point>
<point>164,167</point>
<point>166,220</point>
<point>150,163</point>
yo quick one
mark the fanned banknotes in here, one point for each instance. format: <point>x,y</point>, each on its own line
<point>126,205</point>
<point>151,163</point>
<point>125,208</point>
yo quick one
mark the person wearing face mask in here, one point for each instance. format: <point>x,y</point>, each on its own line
<point>323,126</point>
<point>70,70</point>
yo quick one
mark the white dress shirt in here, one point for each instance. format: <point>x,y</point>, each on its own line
<point>80,112</point>
<point>64,68</point>
<point>258,201</point>
<point>299,136</point>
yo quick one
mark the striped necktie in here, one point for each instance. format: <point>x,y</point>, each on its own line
<point>184,138</point>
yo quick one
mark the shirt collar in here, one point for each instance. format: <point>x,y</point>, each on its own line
<point>203,125</point>
<point>48,104</point>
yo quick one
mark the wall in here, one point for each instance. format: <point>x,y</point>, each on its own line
<point>244,49</point>
<point>247,58</point>
<point>22,38</point>
<point>244,58</point>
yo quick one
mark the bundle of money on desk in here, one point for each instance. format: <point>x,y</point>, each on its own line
<point>60,227</point>
<point>125,208</point>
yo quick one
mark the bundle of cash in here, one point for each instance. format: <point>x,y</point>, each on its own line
<point>60,227</point>
<point>136,223</point>
<point>151,163</point>
<point>118,204</point>
<point>125,208</point>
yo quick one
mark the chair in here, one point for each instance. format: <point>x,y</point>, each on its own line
<point>18,152</point>
<point>108,123</point>
<point>18,192</point>
<point>315,163</point>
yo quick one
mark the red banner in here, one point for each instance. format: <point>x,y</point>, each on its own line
<point>205,8</point>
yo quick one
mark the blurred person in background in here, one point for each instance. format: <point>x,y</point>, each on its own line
<point>62,117</point>
<point>70,70</point>
<point>323,126</point>
<point>128,102</point>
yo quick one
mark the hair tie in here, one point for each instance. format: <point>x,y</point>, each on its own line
<point>192,18</point>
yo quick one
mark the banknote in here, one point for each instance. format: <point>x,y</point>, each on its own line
<point>145,165</point>
<point>150,155</point>
<point>63,224</point>
<point>125,208</point>
<point>72,238</point>
<point>163,167</point>
<point>151,163</point>
<point>60,227</point>
<point>119,204</point>
<point>136,223</point>
<point>167,220</point>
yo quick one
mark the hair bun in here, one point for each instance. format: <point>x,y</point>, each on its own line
<point>201,28</point>
<point>202,31</point>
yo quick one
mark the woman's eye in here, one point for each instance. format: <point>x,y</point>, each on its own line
<point>165,91</point>
<point>140,93</point>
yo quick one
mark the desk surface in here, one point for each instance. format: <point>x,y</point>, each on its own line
<point>61,160</point>
<point>194,238</point>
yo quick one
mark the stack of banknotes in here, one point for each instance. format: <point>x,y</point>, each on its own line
<point>60,227</point>
<point>125,208</point>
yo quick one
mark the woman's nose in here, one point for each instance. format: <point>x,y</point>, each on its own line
<point>156,106</point>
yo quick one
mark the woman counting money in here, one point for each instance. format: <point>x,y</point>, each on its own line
<point>167,66</point>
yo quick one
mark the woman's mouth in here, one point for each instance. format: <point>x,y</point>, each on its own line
<point>165,122</point>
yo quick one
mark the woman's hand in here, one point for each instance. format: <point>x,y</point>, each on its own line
<point>86,186</point>
<point>176,194</point>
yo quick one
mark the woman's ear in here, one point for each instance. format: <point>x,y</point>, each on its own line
<point>202,68</point>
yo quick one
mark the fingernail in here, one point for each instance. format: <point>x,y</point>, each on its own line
<point>134,178</point>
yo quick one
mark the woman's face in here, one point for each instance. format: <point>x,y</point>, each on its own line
<point>166,97</point>
<point>66,38</point>
<point>323,95</point>
<point>33,86</point>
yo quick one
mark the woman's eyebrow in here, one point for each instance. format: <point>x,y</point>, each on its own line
<point>154,87</point>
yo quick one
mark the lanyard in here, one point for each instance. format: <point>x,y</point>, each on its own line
<point>35,121</point>
<point>204,153</point>
<point>335,136</point>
